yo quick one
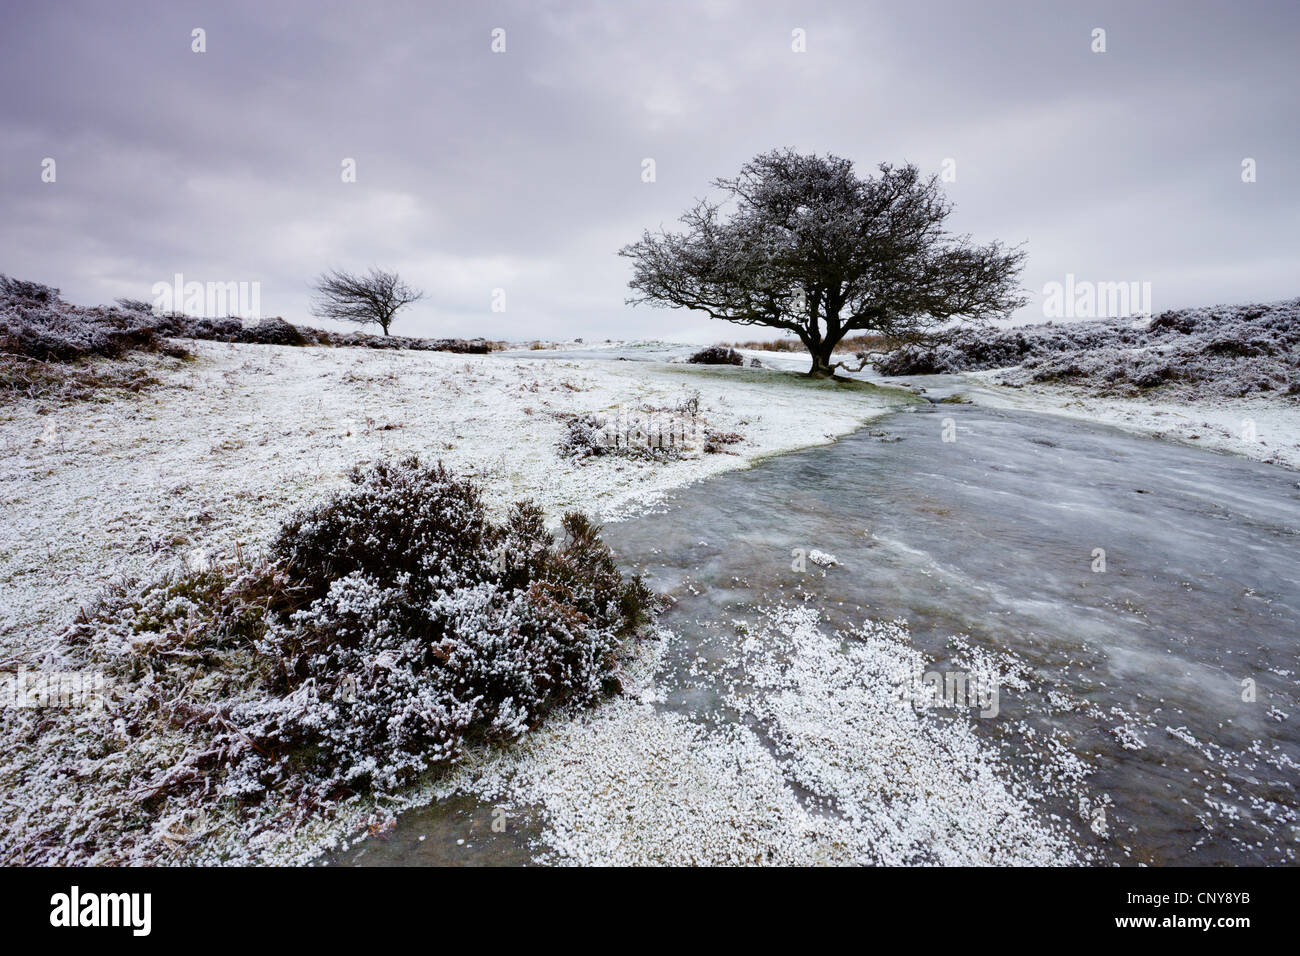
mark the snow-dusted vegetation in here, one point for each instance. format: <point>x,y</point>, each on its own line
<point>49,347</point>
<point>215,457</point>
<point>717,355</point>
<point>248,655</point>
<point>303,629</point>
<point>1227,351</point>
<point>387,629</point>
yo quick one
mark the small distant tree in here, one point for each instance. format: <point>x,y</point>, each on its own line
<point>371,299</point>
<point>804,244</point>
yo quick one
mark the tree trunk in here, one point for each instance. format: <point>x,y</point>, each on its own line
<point>821,361</point>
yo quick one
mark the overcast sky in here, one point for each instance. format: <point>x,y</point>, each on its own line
<point>523,170</point>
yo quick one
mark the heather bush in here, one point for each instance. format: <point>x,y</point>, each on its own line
<point>276,331</point>
<point>1224,351</point>
<point>46,345</point>
<point>66,339</point>
<point>268,331</point>
<point>20,291</point>
<point>386,630</point>
<point>36,323</point>
<point>645,434</point>
<point>584,437</point>
<point>717,355</point>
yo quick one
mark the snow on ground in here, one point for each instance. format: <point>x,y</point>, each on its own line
<point>231,443</point>
<point>1265,429</point>
<point>823,765</point>
<point>828,764</point>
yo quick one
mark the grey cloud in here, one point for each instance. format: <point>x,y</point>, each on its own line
<point>522,170</point>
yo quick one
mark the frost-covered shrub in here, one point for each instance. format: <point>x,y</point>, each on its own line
<point>46,345</point>
<point>399,522</point>
<point>275,331</point>
<point>1224,351</point>
<point>585,436</point>
<point>389,675</point>
<point>22,291</point>
<point>390,627</point>
<point>717,355</point>
<point>971,348</point>
<point>647,434</point>
<point>56,338</point>
<point>459,346</point>
<point>268,331</point>
<point>36,323</point>
<point>62,381</point>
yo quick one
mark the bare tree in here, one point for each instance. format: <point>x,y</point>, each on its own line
<point>371,299</point>
<point>808,246</point>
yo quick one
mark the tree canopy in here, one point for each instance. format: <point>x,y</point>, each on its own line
<point>371,299</point>
<point>803,244</point>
